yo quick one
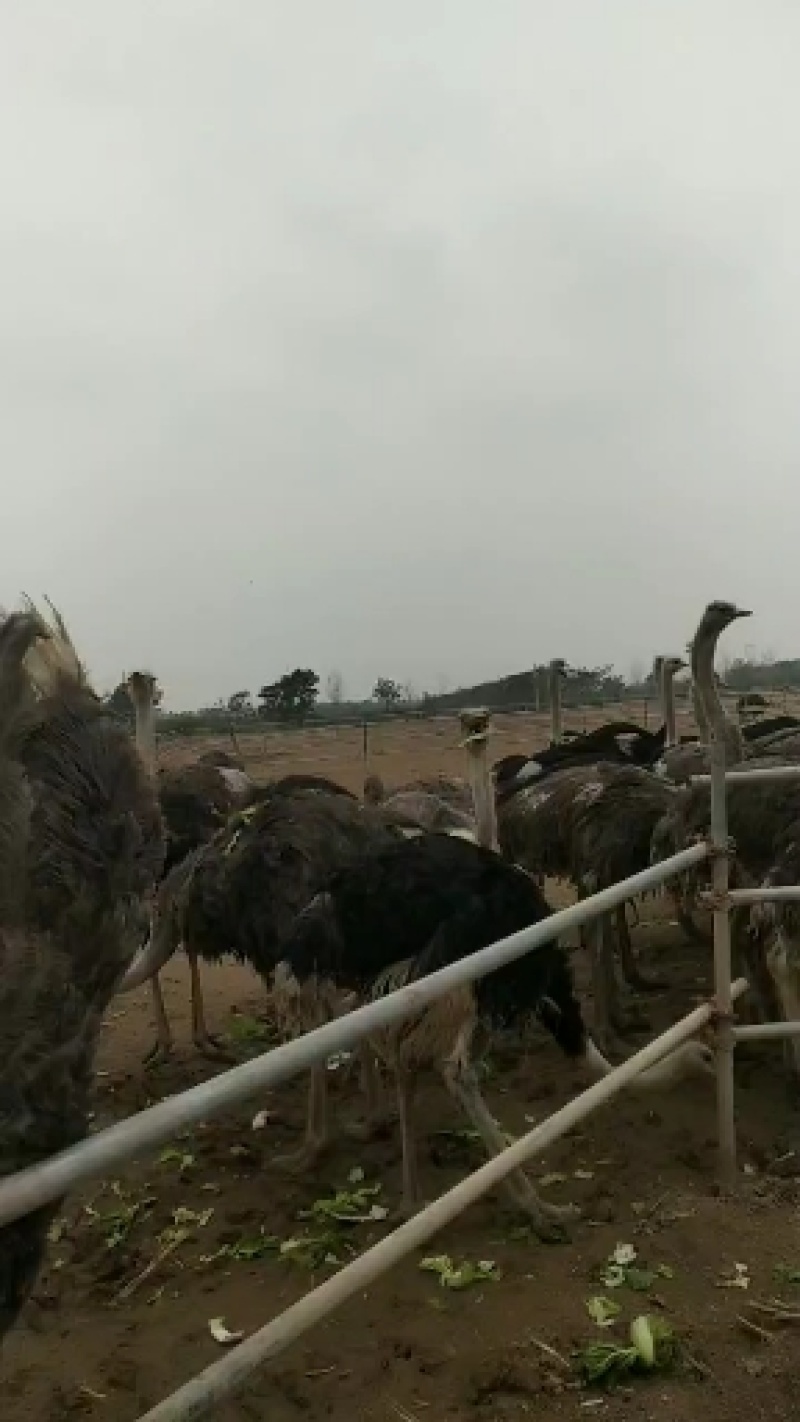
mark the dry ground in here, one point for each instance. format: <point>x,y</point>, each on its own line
<point>107,1334</point>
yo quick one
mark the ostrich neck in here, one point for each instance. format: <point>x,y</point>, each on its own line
<point>668,705</point>
<point>699,712</point>
<point>482,794</point>
<point>146,733</point>
<point>555,704</point>
<point>709,701</point>
<point>659,674</point>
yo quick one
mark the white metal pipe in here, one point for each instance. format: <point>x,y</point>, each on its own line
<point>768,1031</point>
<point>726,1125</point>
<point>766,893</point>
<point>147,1130</point>
<point>216,1383</point>
<point>758,773</point>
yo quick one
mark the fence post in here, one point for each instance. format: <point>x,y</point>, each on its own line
<point>726,1126</point>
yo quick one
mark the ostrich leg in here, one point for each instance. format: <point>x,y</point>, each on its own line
<point>694,933</point>
<point>462,1083</point>
<point>631,971</point>
<point>622,1019</point>
<point>206,1045</point>
<point>161,1051</point>
<point>377,1115</point>
<point>602,985</point>
<point>318,1137</point>
<point>609,1017</point>
<point>405,1085</point>
<point>783,966</point>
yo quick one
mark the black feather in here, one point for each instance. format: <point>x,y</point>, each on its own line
<point>436,900</point>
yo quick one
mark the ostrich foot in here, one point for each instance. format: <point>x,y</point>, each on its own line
<point>548,1221</point>
<point>374,1128</point>
<point>214,1048</point>
<point>310,1154</point>
<point>629,1019</point>
<point>560,1213</point>
<point>643,982</point>
<point>405,1209</point>
<point>694,933</point>
<point>610,1044</point>
<point>159,1053</point>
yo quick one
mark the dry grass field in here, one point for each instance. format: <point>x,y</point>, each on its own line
<point>139,1264</point>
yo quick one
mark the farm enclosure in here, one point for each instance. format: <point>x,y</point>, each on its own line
<point>106,1338</point>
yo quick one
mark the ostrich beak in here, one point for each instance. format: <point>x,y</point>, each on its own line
<point>743,612</point>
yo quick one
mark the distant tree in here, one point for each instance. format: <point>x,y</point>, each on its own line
<point>387,693</point>
<point>292,698</point>
<point>334,687</point>
<point>239,704</point>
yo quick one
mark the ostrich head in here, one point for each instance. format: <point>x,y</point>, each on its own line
<point>717,616</point>
<point>709,709</point>
<point>143,689</point>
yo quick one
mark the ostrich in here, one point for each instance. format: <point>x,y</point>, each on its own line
<point>448,789</point>
<point>784,742</point>
<point>306,782</point>
<point>434,803</point>
<point>388,921</point>
<point>80,850</point>
<point>764,823</point>
<point>429,813</point>
<point>670,666</point>
<point>618,742</point>
<point>683,761</point>
<point>591,825</point>
<point>238,894</point>
<point>196,805</point>
<point>195,801</point>
<point>657,676</point>
<point>763,731</point>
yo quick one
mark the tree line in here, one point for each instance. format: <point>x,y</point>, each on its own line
<point>299,695</point>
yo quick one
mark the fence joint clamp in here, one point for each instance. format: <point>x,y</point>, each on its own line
<point>710,899</point>
<point>726,850</point>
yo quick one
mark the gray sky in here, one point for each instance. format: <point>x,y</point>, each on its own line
<point>420,338</point>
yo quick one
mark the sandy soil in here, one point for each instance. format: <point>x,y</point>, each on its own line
<point>110,1330</point>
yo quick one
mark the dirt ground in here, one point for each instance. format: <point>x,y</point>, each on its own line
<point>139,1265</point>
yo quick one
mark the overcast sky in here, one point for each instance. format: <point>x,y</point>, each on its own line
<point>419,338</point>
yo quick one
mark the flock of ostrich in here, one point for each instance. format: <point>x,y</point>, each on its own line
<point>109,865</point>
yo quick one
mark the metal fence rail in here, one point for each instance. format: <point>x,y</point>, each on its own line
<point>216,1383</point>
<point>723,901</point>
<point>40,1184</point>
<point>51,1179</point>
